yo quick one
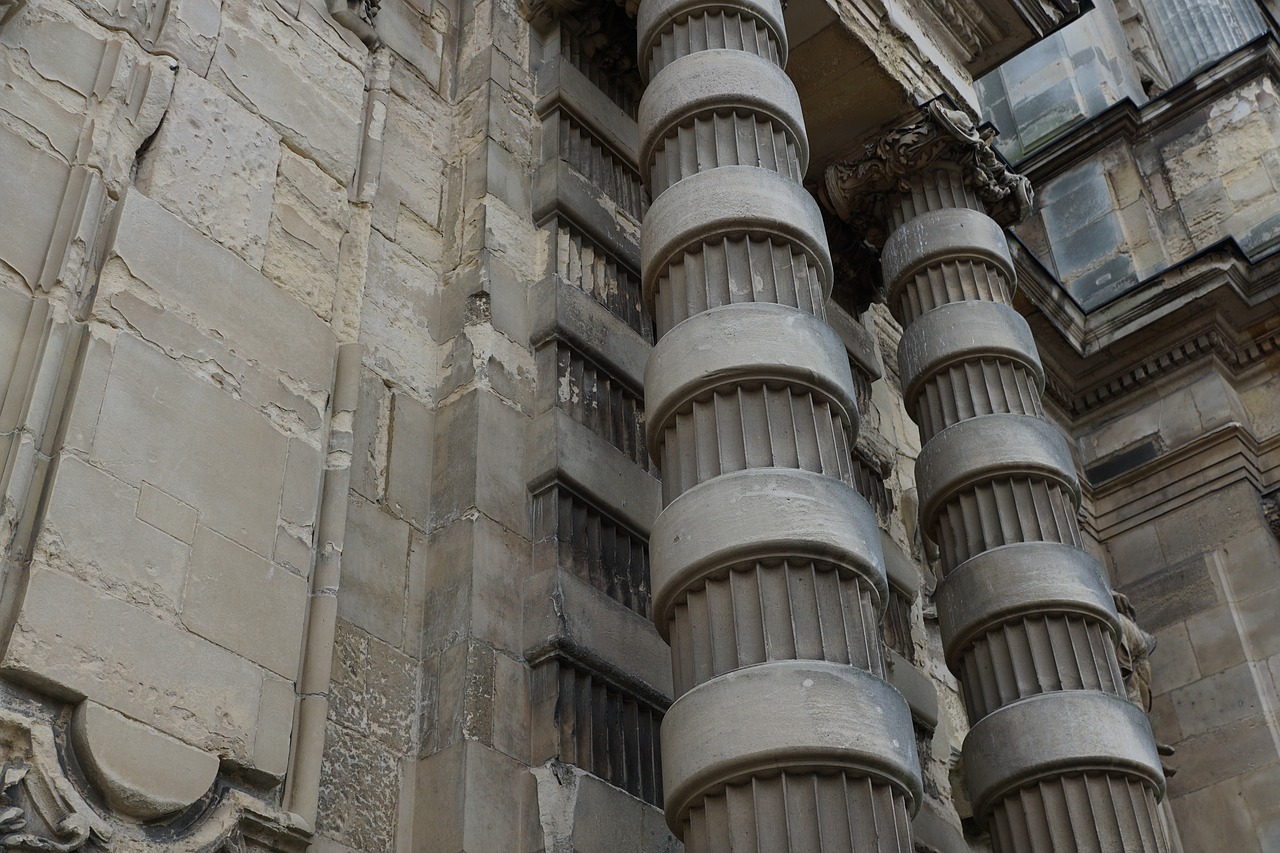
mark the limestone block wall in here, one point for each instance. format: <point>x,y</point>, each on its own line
<point>1071,75</point>
<point>1176,190</point>
<point>1176,473</point>
<point>1171,175</point>
<point>180,334</point>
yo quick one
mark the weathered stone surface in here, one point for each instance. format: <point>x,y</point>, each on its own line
<point>279,357</point>
<point>409,459</point>
<point>468,798</point>
<point>360,791</point>
<point>473,567</point>
<point>39,177</point>
<point>398,306</point>
<point>138,770</point>
<point>92,532</point>
<point>274,734</point>
<point>188,438</point>
<point>269,60</point>
<point>167,513</point>
<point>213,163</point>
<point>195,691</point>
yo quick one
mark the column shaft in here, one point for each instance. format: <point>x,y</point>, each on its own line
<point>768,579</point>
<point>1057,759</point>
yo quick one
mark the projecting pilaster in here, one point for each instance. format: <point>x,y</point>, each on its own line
<point>768,579</point>
<point>1057,759</point>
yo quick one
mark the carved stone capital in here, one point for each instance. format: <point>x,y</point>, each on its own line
<point>855,190</point>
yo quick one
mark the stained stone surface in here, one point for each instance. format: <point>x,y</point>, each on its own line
<point>323,476</point>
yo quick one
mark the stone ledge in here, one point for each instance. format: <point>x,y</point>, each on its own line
<point>563,616</point>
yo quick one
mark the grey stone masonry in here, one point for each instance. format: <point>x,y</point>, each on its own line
<point>1194,33</point>
<point>1056,758</point>
<point>768,576</point>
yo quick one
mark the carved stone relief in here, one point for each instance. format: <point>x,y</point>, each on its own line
<point>856,190</point>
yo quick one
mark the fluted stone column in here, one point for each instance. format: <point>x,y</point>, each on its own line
<point>1057,759</point>
<point>768,579</point>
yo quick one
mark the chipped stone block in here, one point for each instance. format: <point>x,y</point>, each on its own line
<point>278,357</point>
<point>399,308</point>
<point>275,726</point>
<point>308,223</point>
<point>241,601</point>
<point>195,691</point>
<point>187,29</point>
<point>406,31</point>
<point>214,163</point>
<point>91,531</point>
<point>413,165</point>
<point>273,62</point>
<point>370,437</point>
<point>38,179</point>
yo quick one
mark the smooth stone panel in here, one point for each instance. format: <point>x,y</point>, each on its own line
<point>138,770</point>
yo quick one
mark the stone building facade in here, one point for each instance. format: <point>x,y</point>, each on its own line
<point>566,426</point>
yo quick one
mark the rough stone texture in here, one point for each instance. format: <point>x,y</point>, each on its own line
<point>214,166</point>
<point>205,198</point>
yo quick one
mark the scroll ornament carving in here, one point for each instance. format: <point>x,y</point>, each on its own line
<point>71,832</point>
<point>855,190</point>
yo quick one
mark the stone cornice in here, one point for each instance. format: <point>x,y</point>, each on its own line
<point>855,190</point>
<point>1198,309</point>
<point>1179,477</point>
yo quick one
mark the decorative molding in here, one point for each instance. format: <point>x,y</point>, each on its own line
<point>543,13</point>
<point>856,190</point>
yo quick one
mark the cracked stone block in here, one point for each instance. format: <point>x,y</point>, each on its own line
<point>308,91</point>
<point>38,179</point>
<point>308,223</point>
<point>163,425</point>
<point>158,280</point>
